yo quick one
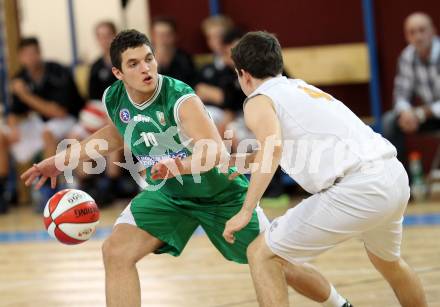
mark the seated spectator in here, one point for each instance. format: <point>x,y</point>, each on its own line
<point>172,61</point>
<point>93,117</point>
<point>101,75</point>
<point>214,29</point>
<point>210,76</point>
<point>232,95</point>
<point>416,86</point>
<point>44,107</point>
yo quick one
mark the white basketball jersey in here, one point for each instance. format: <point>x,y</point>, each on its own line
<point>322,139</point>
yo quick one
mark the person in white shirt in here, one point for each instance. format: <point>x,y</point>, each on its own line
<point>360,189</point>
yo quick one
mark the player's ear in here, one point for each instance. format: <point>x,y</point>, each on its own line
<point>117,73</point>
<point>246,76</point>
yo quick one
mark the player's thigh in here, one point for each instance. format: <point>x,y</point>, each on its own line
<point>129,244</point>
<point>259,251</point>
<point>311,228</point>
<point>160,216</point>
<point>384,241</point>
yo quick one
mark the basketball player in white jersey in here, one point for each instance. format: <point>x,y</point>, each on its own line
<point>359,187</point>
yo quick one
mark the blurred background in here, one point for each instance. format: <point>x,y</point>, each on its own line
<point>348,48</point>
<point>380,57</point>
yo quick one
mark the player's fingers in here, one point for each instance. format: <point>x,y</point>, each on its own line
<point>230,239</point>
<point>159,174</point>
<point>31,178</point>
<point>40,182</point>
<point>53,182</point>
<point>229,236</point>
<point>28,172</point>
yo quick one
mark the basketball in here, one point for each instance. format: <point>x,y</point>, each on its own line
<point>93,117</point>
<point>70,216</point>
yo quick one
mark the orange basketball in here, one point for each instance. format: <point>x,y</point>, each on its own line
<point>71,216</point>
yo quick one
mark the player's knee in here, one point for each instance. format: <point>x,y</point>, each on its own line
<point>115,254</point>
<point>258,250</point>
<point>388,268</point>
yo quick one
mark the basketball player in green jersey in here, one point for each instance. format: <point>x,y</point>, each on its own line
<point>160,119</point>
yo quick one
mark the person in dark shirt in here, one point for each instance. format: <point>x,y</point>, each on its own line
<point>45,91</point>
<point>45,104</point>
<point>211,76</point>
<point>101,75</point>
<point>172,61</point>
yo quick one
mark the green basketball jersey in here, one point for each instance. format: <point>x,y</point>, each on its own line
<point>152,132</point>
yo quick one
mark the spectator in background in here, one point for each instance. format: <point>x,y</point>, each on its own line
<point>214,28</point>
<point>104,188</point>
<point>172,61</point>
<point>44,107</point>
<point>101,75</point>
<point>232,95</point>
<point>417,84</point>
<point>208,87</point>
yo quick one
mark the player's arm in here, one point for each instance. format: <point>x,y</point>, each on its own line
<point>243,162</point>
<point>42,106</point>
<point>108,133</point>
<point>258,110</point>
<point>48,167</point>
<point>200,129</point>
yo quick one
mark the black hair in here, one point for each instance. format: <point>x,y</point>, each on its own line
<point>258,53</point>
<point>124,40</point>
<point>28,41</point>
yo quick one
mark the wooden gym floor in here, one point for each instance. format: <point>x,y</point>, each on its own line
<point>35,271</point>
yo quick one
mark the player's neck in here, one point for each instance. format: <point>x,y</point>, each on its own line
<point>256,83</point>
<point>139,97</point>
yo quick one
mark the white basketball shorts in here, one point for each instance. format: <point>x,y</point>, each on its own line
<point>363,204</point>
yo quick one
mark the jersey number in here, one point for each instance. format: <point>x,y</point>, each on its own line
<point>149,139</point>
<point>316,94</point>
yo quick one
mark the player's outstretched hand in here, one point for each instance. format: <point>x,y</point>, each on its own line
<point>43,170</point>
<point>235,224</point>
<point>167,168</point>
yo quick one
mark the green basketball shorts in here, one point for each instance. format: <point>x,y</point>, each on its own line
<point>173,221</point>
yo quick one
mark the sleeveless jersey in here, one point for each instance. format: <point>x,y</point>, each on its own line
<point>322,139</point>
